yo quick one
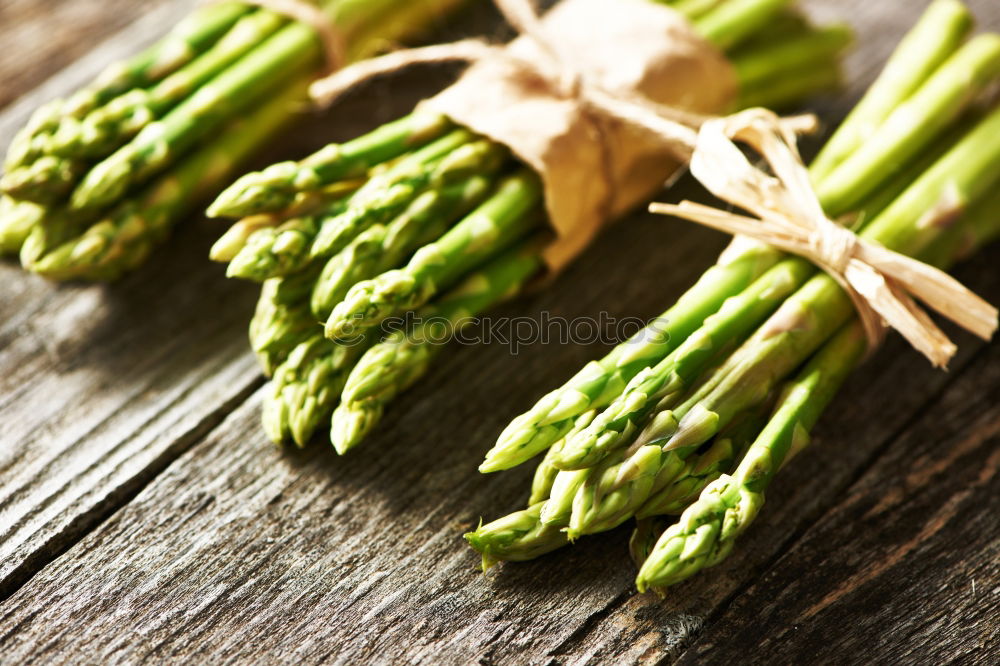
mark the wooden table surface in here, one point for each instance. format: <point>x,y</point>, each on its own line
<point>144,515</point>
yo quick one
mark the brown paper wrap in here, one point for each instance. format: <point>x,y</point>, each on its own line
<point>593,167</point>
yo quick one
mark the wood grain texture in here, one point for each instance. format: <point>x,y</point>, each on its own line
<point>127,534</point>
<point>102,386</point>
<point>908,563</point>
<point>240,551</point>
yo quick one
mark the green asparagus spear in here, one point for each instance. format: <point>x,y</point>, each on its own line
<point>935,105</point>
<point>17,219</point>
<point>601,381</point>
<point>656,386</point>
<point>187,39</point>
<point>707,530</point>
<point>734,21</point>
<point>720,457</point>
<point>147,218</point>
<point>493,226</point>
<point>393,365</point>
<point>516,537</point>
<point>937,35</point>
<point>384,247</point>
<point>292,51</point>
<point>769,64</point>
<point>306,386</point>
<point>108,127</point>
<point>276,188</point>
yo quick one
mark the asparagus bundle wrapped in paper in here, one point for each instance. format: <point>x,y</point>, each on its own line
<point>80,177</point>
<point>677,406</point>
<point>368,230</point>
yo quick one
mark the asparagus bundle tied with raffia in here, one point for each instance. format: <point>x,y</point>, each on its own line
<point>362,233</point>
<point>695,415</point>
<point>93,182</point>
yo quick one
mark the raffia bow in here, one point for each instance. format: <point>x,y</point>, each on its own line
<point>882,284</point>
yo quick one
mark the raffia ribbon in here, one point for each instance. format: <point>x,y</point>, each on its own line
<point>882,284</point>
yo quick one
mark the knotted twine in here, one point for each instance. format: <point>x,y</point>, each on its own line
<point>602,100</point>
<point>788,215</point>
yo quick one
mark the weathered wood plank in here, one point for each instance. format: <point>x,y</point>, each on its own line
<point>241,551</point>
<point>102,386</point>
<point>238,550</point>
<point>906,568</point>
<point>404,495</point>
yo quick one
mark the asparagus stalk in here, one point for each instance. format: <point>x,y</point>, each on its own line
<point>384,247</point>
<point>109,126</point>
<point>720,456</point>
<point>395,364</point>
<point>516,537</point>
<point>494,225</point>
<point>933,107</point>
<point>278,186</point>
<point>802,324</point>
<point>305,387</point>
<point>732,22</point>
<point>281,320</point>
<point>809,49</point>
<point>601,381</point>
<point>137,224</point>
<point>546,474</point>
<point>708,529</point>
<point>655,386</point>
<point>188,38</point>
<point>792,87</point>
<point>17,219</point>
<point>936,36</point>
<point>292,51</point>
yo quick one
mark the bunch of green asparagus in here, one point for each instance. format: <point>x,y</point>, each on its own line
<point>93,182</point>
<point>424,218</point>
<point>696,414</point>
